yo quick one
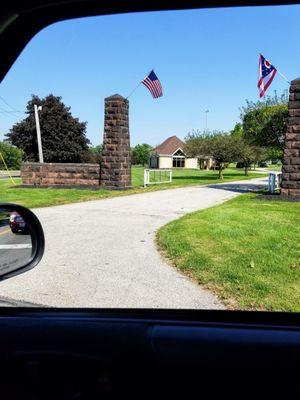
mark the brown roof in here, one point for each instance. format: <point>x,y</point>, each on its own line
<point>169,146</point>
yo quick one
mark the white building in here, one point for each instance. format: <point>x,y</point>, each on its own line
<point>170,154</point>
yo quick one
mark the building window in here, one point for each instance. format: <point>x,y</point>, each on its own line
<point>178,162</point>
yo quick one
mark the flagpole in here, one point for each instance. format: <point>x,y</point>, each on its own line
<point>138,85</point>
<point>133,90</point>
<point>283,77</point>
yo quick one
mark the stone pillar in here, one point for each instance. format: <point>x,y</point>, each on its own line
<point>116,156</point>
<point>291,163</point>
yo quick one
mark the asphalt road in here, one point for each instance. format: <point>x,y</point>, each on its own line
<point>103,254</point>
<point>15,249</point>
<point>4,174</point>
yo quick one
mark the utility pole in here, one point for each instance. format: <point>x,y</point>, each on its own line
<point>38,131</point>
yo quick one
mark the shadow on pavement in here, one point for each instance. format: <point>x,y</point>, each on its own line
<point>8,302</point>
<point>239,187</point>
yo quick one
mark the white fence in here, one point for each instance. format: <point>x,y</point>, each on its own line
<point>274,181</point>
<point>156,176</point>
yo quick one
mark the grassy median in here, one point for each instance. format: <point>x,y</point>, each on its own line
<point>35,197</point>
<point>247,251</point>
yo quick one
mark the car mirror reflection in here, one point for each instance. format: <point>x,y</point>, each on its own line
<point>21,240</point>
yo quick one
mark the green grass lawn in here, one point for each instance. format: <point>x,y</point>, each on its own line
<point>41,197</point>
<point>247,251</point>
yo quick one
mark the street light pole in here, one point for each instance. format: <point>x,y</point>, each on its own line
<point>38,131</point>
<point>206,111</point>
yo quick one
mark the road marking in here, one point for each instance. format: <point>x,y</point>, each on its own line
<point>15,246</point>
<point>4,232</point>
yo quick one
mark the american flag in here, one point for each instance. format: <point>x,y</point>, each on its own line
<point>266,74</point>
<point>153,84</point>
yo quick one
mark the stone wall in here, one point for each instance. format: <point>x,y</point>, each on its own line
<point>291,164</point>
<point>60,174</point>
<point>116,156</point>
<point>115,170</point>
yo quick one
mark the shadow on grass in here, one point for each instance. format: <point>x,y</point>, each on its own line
<point>264,195</point>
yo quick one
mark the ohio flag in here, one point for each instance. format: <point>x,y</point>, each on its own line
<point>266,74</point>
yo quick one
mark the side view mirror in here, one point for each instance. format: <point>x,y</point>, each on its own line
<point>22,240</point>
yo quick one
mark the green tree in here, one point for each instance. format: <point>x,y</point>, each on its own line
<point>274,155</point>
<point>264,122</point>
<point>141,154</point>
<point>221,146</point>
<point>245,154</point>
<point>63,136</point>
<point>95,154</point>
<point>12,156</point>
<point>259,154</point>
<point>237,131</point>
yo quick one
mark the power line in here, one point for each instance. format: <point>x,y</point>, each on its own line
<point>13,108</point>
<point>7,113</point>
<point>12,116</point>
<point>3,110</point>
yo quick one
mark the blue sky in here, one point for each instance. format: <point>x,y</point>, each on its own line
<point>205,59</point>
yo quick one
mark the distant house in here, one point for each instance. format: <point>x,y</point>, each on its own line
<point>170,154</point>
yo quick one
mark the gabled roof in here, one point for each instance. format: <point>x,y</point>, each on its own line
<point>169,146</point>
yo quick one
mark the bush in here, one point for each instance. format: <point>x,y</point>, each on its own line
<point>12,156</point>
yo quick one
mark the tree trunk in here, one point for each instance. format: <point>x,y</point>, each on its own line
<point>221,171</point>
<point>246,169</point>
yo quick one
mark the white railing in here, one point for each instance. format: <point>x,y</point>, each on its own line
<point>158,176</point>
<point>274,181</point>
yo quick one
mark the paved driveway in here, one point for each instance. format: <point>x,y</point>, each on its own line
<point>102,253</point>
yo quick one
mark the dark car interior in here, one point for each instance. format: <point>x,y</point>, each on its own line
<point>93,353</point>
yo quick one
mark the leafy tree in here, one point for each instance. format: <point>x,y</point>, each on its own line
<point>237,131</point>
<point>141,154</point>
<point>95,154</point>
<point>248,154</point>
<point>264,122</point>
<point>259,154</point>
<point>63,136</point>
<point>196,142</point>
<point>12,156</point>
<point>274,155</point>
<point>245,154</point>
<point>224,148</point>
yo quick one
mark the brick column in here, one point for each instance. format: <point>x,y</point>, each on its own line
<point>116,157</point>
<point>291,163</point>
